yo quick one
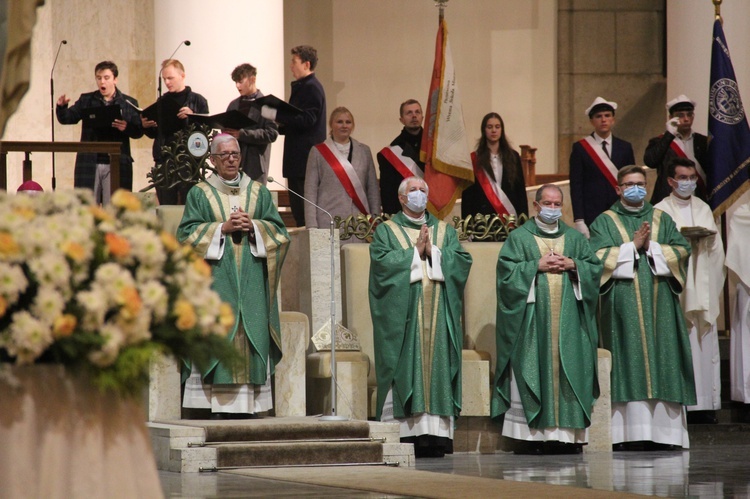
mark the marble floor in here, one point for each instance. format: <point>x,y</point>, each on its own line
<point>706,471</point>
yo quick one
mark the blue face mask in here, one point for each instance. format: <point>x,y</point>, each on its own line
<point>635,194</point>
<point>549,215</point>
<point>416,201</point>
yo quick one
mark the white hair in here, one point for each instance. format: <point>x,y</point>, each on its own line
<point>405,182</point>
<point>221,139</point>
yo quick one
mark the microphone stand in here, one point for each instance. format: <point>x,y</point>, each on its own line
<point>334,389</point>
<point>52,109</point>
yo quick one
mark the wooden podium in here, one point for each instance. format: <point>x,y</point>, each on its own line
<point>111,148</point>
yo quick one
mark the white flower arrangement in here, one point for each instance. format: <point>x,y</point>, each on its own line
<point>102,289</point>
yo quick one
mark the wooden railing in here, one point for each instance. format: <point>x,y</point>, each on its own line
<point>111,148</point>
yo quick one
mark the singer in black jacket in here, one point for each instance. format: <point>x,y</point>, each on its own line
<point>173,74</point>
<point>122,130</point>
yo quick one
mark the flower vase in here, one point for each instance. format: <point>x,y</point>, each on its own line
<point>60,436</point>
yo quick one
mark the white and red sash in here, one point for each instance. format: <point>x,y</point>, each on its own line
<point>495,195</point>
<point>404,165</point>
<point>346,174</point>
<point>601,160</point>
<point>678,148</point>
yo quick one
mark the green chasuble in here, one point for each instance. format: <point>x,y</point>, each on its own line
<point>417,326</point>
<point>641,320</point>
<point>247,283</point>
<point>550,343</point>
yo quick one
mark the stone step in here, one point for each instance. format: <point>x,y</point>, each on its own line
<point>298,453</point>
<point>280,429</point>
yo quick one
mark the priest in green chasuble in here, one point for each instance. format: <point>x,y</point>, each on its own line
<point>546,371</point>
<point>645,262</point>
<point>231,221</point>
<point>418,271</point>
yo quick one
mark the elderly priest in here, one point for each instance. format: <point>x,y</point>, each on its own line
<point>231,221</point>
<point>418,271</point>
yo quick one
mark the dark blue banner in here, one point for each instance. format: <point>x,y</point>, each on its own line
<point>729,134</point>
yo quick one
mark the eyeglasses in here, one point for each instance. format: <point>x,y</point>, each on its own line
<point>632,184</point>
<point>227,155</point>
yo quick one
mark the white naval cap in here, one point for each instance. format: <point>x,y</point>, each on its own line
<point>600,104</point>
<point>680,103</point>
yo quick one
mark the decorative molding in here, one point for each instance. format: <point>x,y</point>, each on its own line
<point>178,165</point>
<point>360,226</point>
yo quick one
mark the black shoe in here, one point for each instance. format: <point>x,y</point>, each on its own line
<point>529,448</point>
<point>216,416</point>
<point>656,447</point>
<point>559,448</point>
<point>702,417</point>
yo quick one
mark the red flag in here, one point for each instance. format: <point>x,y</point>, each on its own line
<point>448,169</point>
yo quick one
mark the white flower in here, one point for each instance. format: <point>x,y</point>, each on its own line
<point>95,306</point>
<point>113,342</point>
<point>145,246</point>
<point>13,282</point>
<point>155,298</point>
<point>27,337</point>
<point>52,270</point>
<point>48,304</point>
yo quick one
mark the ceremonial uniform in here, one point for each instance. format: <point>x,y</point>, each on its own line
<point>660,151</point>
<point>390,177</point>
<point>474,199</point>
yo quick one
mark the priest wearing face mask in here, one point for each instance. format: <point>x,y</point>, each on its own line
<point>705,279</point>
<point>418,271</point>
<point>547,291</point>
<point>645,269</point>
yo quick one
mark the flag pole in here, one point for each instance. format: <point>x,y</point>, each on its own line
<point>717,11</point>
<point>440,4</point>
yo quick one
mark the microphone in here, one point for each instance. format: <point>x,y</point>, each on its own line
<point>333,416</point>
<point>52,107</point>
<point>183,42</point>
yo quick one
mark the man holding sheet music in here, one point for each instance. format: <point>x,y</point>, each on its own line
<point>176,105</point>
<point>594,163</point>
<point>255,140</point>
<point>107,117</point>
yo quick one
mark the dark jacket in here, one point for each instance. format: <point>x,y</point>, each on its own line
<point>590,192</point>
<point>255,140</point>
<point>85,169</point>
<point>196,102</point>
<point>390,178</point>
<point>658,155</point>
<point>474,200</point>
<point>302,131</point>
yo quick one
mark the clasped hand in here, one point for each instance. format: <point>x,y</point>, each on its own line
<point>238,221</point>
<point>555,264</point>
<point>424,246</point>
<point>642,236</point>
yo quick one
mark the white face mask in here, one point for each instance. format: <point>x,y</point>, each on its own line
<point>550,215</point>
<point>416,201</point>
<point>685,188</point>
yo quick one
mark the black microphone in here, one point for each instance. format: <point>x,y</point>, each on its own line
<point>183,42</point>
<point>333,416</point>
<point>52,107</point>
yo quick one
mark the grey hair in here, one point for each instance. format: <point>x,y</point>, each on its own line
<point>540,191</point>
<point>221,139</point>
<point>405,182</point>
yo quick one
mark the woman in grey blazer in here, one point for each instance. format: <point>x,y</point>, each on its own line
<point>340,175</point>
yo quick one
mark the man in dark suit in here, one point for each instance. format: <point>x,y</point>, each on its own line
<point>594,163</point>
<point>678,141</point>
<point>304,130</point>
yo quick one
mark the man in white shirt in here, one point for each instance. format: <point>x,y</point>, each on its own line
<point>703,286</point>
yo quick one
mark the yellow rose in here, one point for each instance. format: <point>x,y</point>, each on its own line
<point>131,303</point>
<point>200,266</point>
<point>100,214</point>
<point>74,251</point>
<point>64,326</point>
<point>226,316</point>
<point>169,241</point>
<point>8,245</point>
<point>118,246</point>
<point>185,313</point>
<point>126,200</point>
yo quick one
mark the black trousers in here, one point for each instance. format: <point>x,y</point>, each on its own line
<point>297,184</point>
